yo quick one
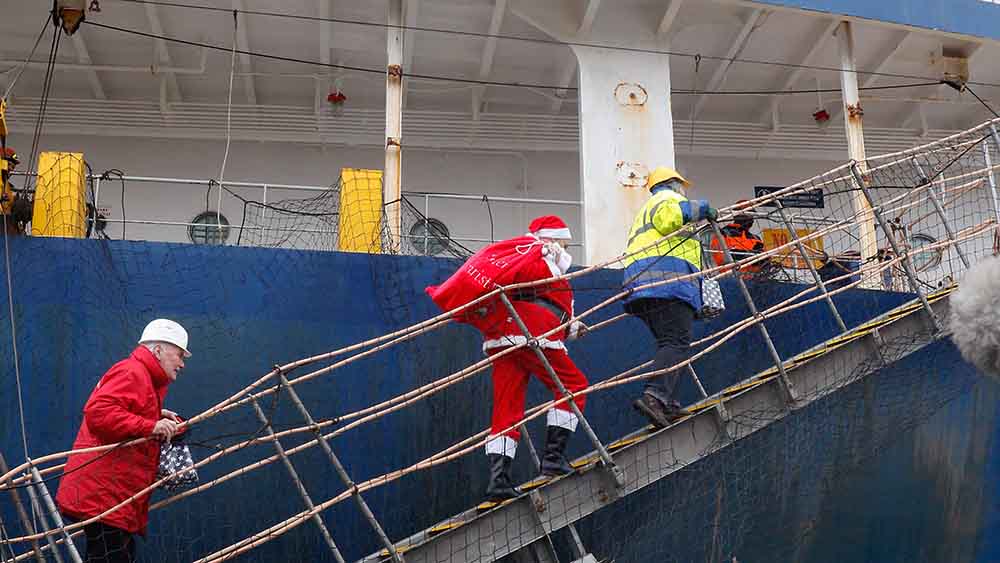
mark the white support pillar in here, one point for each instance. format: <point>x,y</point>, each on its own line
<point>856,145</point>
<point>626,130</point>
<point>391,183</point>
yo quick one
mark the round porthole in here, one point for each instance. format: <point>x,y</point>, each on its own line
<point>209,227</point>
<point>429,237</point>
<point>924,260</point>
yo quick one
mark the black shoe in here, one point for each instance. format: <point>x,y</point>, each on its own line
<point>676,412</point>
<point>554,462</point>
<point>658,414</point>
<point>653,410</point>
<point>500,487</point>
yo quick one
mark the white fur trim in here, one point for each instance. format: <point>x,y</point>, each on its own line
<point>503,445</point>
<point>505,341</point>
<point>562,233</point>
<point>562,419</point>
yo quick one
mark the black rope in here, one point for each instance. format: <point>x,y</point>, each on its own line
<point>982,101</point>
<point>926,81</point>
<point>44,101</point>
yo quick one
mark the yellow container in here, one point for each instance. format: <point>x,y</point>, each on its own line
<point>360,210</point>
<point>60,196</point>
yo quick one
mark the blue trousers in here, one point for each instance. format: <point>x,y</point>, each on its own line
<point>670,322</point>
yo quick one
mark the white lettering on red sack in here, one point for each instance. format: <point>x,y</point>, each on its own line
<point>498,262</point>
<point>480,277</point>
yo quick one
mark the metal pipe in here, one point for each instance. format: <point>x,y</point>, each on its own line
<point>391,181</point>
<point>339,468</point>
<point>54,514</point>
<point>786,383</point>
<point>22,514</point>
<point>503,199</point>
<point>295,187</point>
<point>427,212</point>
<point>550,553</point>
<point>907,265</point>
<point>36,507</point>
<point>694,375</point>
<point>576,542</point>
<point>940,212</point>
<point>989,165</point>
<point>316,518</point>
<point>97,195</point>
<point>812,269</point>
<point>601,450</point>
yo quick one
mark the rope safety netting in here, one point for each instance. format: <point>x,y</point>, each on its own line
<point>896,229</point>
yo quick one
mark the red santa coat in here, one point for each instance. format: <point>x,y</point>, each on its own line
<point>125,404</point>
<point>542,308</point>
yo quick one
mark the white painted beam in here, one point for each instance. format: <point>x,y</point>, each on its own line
<point>412,10</point>
<point>770,113</point>
<point>737,46</point>
<point>569,71</point>
<point>162,53</point>
<point>917,113</point>
<point>392,172</point>
<point>587,23</point>
<point>667,21</point>
<point>854,128</point>
<point>83,57</point>
<point>246,63</point>
<point>879,67</point>
<point>489,53</point>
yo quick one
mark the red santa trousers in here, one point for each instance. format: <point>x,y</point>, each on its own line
<point>510,383</point>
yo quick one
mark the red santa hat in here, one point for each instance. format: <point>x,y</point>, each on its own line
<point>549,226</point>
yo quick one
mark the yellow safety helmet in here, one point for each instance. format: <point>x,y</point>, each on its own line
<point>662,174</point>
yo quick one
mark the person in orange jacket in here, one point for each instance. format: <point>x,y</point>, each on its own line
<point>741,242</point>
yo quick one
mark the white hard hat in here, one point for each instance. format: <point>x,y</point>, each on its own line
<point>166,330</point>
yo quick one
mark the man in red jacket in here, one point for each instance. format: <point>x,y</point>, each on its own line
<point>127,403</point>
<point>542,308</point>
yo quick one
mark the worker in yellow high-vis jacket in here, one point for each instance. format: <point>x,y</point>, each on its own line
<point>668,310</point>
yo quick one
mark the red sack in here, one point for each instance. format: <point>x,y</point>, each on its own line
<point>495,265</point>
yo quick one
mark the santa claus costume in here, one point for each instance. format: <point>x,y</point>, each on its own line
<point>536,256</point>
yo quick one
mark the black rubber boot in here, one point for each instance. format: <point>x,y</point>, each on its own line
<point>554,462</point>
<point>500,487</point>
